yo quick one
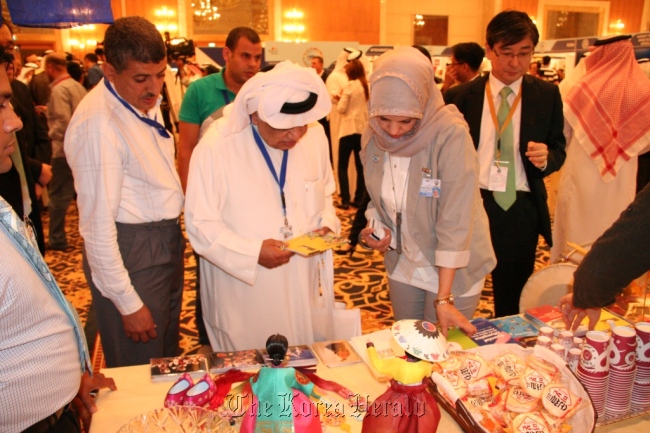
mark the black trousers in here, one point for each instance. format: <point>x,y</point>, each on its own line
<point>514,233</point>
<point>68,422</point>
<point>348,145</point>
<point>198,306</point>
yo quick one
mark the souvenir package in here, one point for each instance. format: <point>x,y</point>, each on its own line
<point>508,388</point>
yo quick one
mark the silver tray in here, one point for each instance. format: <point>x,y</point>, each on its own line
<point>614,419</point>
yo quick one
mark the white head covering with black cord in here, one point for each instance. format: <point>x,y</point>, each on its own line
<point>285,97</point>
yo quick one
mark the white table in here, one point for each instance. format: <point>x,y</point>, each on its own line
<point>136,394</point>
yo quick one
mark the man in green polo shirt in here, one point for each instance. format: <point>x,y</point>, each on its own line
<point>243,56</point>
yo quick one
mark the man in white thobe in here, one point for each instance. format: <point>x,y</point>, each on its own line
<point>242,206</point>
<point>607,125</point>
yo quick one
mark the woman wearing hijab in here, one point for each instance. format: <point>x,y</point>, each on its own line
<point>353,109</point>
<point>426,214</point>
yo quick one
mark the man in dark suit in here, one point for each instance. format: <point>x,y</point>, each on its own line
<point>31,159</point>
<point>512,182</point>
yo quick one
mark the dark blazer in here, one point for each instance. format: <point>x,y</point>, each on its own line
<point>33,136</point>
<point>542,121</point>
<point>35,149</point>
<point>325,75</point>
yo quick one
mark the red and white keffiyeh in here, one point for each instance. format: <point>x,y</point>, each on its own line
<point>609,107</point>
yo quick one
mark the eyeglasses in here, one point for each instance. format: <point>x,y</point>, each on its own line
<point>455,64</point>
<point>524,56</point>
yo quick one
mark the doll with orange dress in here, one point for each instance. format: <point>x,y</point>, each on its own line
<point>407,406</point>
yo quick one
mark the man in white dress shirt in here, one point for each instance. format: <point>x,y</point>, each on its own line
<point>260,176</point>
<point>130,199</point>
<point>35,397</point>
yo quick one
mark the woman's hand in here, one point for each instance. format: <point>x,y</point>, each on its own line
<point>449,316</point>
<point>379,245</point>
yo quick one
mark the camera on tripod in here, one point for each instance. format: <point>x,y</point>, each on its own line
<point>178,47</point>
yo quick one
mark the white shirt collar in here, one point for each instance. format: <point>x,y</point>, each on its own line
<point>496,85</point>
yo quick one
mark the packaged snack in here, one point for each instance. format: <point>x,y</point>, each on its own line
<point>474,367</point>
<point>520,401</point>
<point>559,401</point>
<point>533,382</point>
<point>531,422</point>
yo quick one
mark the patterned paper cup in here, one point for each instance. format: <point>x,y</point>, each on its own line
<point>595,352</point>
<point>573,358</point>
<point>643,344</point>
<point>596,388</point>
<point>544,341</point>
<point>622,347</point>
<point>559,350</point>
<point>546,331</point>
<point>566,339</point>
<point>577,342</point>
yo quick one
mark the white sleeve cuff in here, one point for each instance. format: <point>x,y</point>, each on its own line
<point>128,302</point>
<point>452,259</point>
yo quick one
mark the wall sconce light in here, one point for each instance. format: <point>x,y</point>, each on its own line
<point>80,34</point>
<point>418,22</point>
<point>166,16</point>
<point>617,26</point>
<point>164,13</point>
<point>294,28</point>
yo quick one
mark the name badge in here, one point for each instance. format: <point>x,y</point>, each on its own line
<point>430,188</point>
<point>498,178</point>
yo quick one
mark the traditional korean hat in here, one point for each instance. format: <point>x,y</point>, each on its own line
<point>421,339</point>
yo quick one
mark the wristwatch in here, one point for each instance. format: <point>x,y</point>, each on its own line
<point>449,299</point>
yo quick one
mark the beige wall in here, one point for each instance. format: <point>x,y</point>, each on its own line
<point>365,21</point>
<point>466,19</point>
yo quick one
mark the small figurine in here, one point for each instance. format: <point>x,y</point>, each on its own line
<point>281,396</point>
<point>407,406</point>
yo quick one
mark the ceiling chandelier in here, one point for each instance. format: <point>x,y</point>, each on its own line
<point>205,11</point>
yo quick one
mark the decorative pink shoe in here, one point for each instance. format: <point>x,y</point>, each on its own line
<point>201,393</point>
<point>176,394</point>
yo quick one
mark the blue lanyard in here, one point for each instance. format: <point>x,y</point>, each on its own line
<point>153,123</point>
<point>18,233</point>
<point>226,96</point>
<point>283,169</point>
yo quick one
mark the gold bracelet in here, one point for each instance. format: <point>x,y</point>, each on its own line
<point>449,299</point>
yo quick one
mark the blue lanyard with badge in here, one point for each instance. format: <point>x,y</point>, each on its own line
<point>285,231</point>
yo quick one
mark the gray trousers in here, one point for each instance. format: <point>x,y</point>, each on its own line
<point>153,254</point>
<point>61,191</point>
<point>414,303</point>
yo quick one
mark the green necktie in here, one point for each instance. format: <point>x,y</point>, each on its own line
<point>507,198</point>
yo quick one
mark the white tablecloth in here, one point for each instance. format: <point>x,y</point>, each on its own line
<point>136,394</point>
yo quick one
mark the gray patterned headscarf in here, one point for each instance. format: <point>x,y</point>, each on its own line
<point>402,84</point>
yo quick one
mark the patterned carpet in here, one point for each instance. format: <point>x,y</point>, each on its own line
<point>359,281</point>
